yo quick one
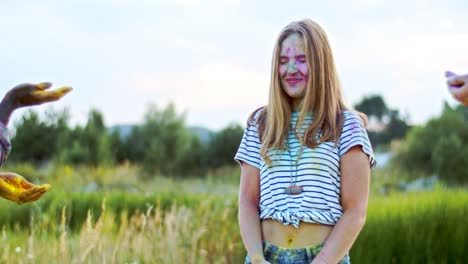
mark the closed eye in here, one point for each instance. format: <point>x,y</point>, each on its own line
<point>301,58</point>
<point>283,60</point>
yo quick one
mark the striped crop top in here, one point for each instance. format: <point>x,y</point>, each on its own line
<point>317,172</point>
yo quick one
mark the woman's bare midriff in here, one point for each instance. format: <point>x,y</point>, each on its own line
<point>288,236</point>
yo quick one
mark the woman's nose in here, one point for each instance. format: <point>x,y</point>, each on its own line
<point>292,68</point>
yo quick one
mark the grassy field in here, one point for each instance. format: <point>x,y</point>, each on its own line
<point>111,215</point>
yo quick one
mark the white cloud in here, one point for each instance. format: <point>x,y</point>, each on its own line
<point>165,50</point>
<point>371,45</point>
<point>187,3</point>
<point>227,86</point>
<point>212,95</point>
<point>209,87</point>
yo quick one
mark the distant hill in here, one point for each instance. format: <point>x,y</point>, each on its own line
<point>124,130</point>
<point>203,134</point>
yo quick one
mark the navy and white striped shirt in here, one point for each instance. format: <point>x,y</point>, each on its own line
<point>318,173</point>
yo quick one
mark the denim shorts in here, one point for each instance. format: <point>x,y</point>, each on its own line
<point>279,255</point>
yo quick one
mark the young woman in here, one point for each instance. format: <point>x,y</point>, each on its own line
<point>13,186</point>
<point>305,159</point>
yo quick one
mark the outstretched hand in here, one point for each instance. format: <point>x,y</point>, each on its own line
<point>34,94</point>
<point>16,188</point>
<point>458,86</point>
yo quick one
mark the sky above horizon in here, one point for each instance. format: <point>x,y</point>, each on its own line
<point>212,57</point>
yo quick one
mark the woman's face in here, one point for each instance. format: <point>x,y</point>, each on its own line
<point>293,69</point>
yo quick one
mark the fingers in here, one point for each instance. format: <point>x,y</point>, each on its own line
<point>28,87</point>
<point>26,195</point>
<point>36,195</point>
<point>456,81</point>
<point>16,188</point>
<point>62,91</point>
<point>31,197</point>
<point>35,94</point>
<point>33,194</point>
<point>25,183</point>
<point>449,74</point>
<point>461,94</point>
<point>458,87</point>
<point>49,96</point>
<point>46,186</point>
<point>44,85</point>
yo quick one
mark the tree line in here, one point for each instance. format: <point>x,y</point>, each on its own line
<point>439,147</point>
<point>395,126</point>
<point>163,144</point>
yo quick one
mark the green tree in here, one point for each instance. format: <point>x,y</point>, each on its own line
<point>97,140</point>
<point>37,140</point>
<point>88,145</point>
<point>438,147</point>
<point>373,105</point>
<point>163,144</point>
<point>223,145</point>
<point>395,128</point>
<point>118,147</point>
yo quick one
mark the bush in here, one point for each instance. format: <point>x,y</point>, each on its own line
<point>439,147</point>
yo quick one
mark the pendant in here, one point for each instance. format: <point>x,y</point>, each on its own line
<point>293,190</point>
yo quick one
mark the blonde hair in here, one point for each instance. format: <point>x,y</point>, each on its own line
<point>323,97</point>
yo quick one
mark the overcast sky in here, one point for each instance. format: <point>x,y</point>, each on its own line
<point>212,57</point>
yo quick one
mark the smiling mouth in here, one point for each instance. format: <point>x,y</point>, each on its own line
<point>292,81</point>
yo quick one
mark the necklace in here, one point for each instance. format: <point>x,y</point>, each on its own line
<point>293,189</point>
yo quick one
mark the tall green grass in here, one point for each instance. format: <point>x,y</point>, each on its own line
<point>425,227</point>
<point>170,220</point>
<point>122,228</point>
<point>420,227</point>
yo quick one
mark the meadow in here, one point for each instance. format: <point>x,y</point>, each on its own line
<point>114,215</point>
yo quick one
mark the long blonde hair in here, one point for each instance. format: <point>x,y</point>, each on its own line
<point>323,97</point>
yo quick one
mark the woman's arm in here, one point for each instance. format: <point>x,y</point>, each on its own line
<point>13,186</point>
<point>21,96</point>
<point>6,108</point>
<point>5,145</point>
<point>28,95</point>
<point>249,219</point>
<point>355,178</point>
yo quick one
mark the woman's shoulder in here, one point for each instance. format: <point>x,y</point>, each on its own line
<point>350,115</point>
<point>256,115</point>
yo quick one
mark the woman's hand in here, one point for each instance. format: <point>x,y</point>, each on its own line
<point>28,95</point>
<point>16,188</point>
<point>34,94</point>
<point>259,259</point>
<point>262,261</point>
<point>458,86</point>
